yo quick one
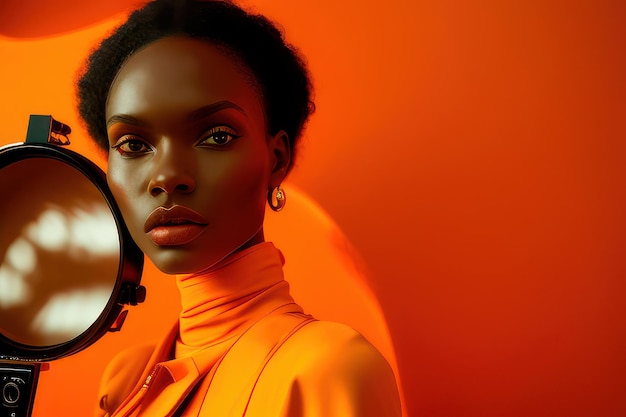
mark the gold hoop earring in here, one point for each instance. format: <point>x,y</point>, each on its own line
<point>277,198</point>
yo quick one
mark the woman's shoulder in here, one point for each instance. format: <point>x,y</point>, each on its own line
<point>328,366</point>
<point>334,351</point>
<point>122,375</point>
<point>327,340</point>
<point>137,355</point>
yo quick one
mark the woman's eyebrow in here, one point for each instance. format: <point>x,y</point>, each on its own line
<point>124,118</point>
<point>195,115</point>
<point>215,107</point>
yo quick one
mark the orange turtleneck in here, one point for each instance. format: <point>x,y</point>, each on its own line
<point>218,305</point>
<point>243,347</point>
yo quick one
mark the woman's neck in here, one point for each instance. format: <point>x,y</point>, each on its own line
<point>220,304</point>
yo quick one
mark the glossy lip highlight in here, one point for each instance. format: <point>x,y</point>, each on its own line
<point>173,226</point>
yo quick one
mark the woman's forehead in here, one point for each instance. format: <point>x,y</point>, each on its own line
<point>178,72</point>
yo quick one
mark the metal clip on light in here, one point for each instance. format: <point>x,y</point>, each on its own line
<point>44,129</point>
<point>132,294</point>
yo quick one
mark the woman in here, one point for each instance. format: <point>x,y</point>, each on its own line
<point>199,106</point>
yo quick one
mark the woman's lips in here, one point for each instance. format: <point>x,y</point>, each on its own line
<point>174,226</point>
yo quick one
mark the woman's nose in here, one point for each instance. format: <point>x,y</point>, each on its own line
<point>173,172</point>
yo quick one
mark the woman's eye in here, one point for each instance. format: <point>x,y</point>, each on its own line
<point>219,135</point>
<point>131,147</point>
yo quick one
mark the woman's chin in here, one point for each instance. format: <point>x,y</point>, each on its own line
<point>176,261</point>
<point>199,255</point>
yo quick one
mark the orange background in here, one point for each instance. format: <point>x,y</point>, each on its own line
<point>472,152</point>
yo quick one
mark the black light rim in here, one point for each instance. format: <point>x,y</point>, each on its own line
<point>130,262</point>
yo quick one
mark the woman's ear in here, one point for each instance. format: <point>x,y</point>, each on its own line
<point>280,158</point>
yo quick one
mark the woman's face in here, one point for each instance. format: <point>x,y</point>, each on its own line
<point>191,161</point>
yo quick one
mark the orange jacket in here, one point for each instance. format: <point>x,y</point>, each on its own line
<point>275,361</point>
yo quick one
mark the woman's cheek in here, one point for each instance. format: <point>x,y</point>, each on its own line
<point>123,186</point>
<point>253,181</point>
<point>243,172</point>
<point>114,174</point>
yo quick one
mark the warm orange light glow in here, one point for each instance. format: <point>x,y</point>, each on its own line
<point>473,155</point>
